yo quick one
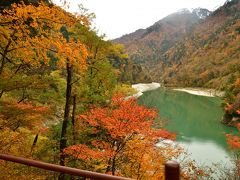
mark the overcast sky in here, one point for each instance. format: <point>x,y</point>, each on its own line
<point>118,17</point>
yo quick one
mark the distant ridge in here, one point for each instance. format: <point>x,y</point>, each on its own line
<point>195,48</point>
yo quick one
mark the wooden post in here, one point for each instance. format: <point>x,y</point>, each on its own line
<point>172,170</point>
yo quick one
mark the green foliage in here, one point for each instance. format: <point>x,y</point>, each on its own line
<point>124,89</point>
<point>32,91</point>
<point>98,83</point>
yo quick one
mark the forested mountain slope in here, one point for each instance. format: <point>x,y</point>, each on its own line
<point>209,56</point>
<point>186,49</point>
<point>150,44</point>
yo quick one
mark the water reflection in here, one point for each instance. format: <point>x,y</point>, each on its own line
<point>207,152</point>
<point>196,120</point>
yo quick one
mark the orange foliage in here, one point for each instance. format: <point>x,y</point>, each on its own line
<point>232,108</point>
<point>237,83</point>
<point>82,151</point>
<point>238,111</point>
<point>36,31</point>
<point>124,118</point>
<point>16,115</point>
<point>118,128</point>
<point>145,161</point>
<point>232,105</point>
<point>228,108</point>
<point>233,141</point>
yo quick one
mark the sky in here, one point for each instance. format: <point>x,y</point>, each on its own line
<point>115,18</point>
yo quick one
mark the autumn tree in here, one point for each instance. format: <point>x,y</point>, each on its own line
<point>25,42</point>
<point>232,117</point>
<point>7,3</point>
<point>20,123</point>
<point>100,78</point>
<point>111,130</point>
<point>232,103</point>
<point>36,31</point>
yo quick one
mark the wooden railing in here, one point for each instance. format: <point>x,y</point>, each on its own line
<point>172,169</point>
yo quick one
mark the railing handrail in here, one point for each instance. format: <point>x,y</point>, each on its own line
<point>58,168</point>
<point>172,169</point>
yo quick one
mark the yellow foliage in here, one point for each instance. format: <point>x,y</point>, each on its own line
<point>143,160</point>
<point>124,89</point>
<point>28,32</point>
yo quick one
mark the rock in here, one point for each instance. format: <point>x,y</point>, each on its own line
<point>230,120</point>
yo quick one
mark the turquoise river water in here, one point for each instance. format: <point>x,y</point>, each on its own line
<point>196,121</point>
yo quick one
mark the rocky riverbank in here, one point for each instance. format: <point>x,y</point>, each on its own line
<point>202,92</point>
<point>144,87</point>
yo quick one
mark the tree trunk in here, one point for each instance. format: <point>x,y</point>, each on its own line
<point>63,140</point>
<point>73,118</point>
<point>4,55</point>
<point>34,143</point>
<point>1,93</point>
<point>3,59</point>
<point>113,165</point>
<point>109,165</point>
<point>73,127</point>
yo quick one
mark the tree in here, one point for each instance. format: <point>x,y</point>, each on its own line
<point>112,129</point>
<point>37,30</point>
<point>19,123</point>
<point>101,76</point>
<point>4,4</point>
<point>232,103</point>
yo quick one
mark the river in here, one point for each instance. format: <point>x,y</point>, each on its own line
<point>196,120</point>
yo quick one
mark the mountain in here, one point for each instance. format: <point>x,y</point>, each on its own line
<point>201,13</point>
<point>150,43</point>
<point>189,48</point>
<point>148,46</point>
<point>210,55</point>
